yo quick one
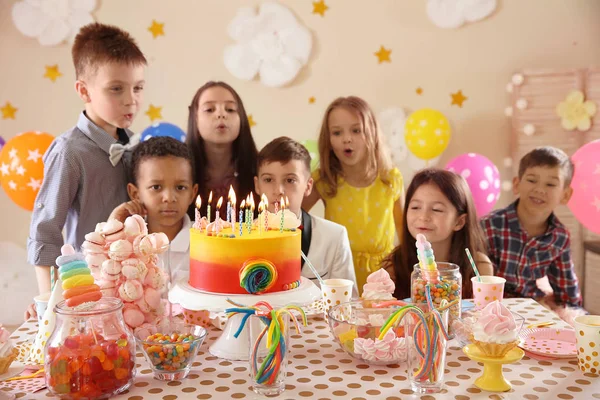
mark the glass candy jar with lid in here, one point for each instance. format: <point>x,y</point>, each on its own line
<point>90,353</point>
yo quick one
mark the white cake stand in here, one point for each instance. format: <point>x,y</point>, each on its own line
<point>227,346</point>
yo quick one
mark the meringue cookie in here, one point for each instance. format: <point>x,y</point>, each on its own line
<point>111,270</point>
<point>130,290</point>
<point>132,315</point>
<point>134,268</point>
<point>120,250</point>
<point>134,226</point>
<point>113,230</point>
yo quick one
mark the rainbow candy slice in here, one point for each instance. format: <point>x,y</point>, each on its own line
<point>77,281</point>
<point>425,253</point>
<point>257,275</point>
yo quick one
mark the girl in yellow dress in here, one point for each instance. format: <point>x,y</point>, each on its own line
<point>357,183</point>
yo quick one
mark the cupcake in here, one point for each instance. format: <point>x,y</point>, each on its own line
<point>7,352</point>
<point>379,287</point>
<point>495,330</point>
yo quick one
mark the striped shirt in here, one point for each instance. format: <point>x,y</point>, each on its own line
<point>80,189</point>
<point>522,259</point>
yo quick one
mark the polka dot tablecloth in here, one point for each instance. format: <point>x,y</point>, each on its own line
<point>321,370</point>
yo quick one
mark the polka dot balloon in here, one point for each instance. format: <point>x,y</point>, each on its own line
<point>427,133</point>
<point>483,179</point>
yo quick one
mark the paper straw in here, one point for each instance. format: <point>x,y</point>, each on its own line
<point>473,264</point>
<point>312,268</point>
<point>52,278</point>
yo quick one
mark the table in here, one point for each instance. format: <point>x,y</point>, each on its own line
<point>321,370</point>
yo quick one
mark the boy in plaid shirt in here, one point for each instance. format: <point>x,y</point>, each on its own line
<point>526,241</point>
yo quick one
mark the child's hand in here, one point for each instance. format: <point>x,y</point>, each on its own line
<point>126,209</point>
<point>30,312</point>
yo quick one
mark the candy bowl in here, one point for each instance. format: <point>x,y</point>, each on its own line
<point>171,349</point>
<point>357,328</point>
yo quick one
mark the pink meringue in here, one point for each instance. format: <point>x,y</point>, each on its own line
<point>120,250</point>
<point>134,226</point>
<point>160,242</point>
<point>131,290</point>
<point>390,349</point>
<point>495,324</point>
<point>111,270</point>
<point>132,315</point>
<point>379,286</point>
<point>134,268</point>
<point>113,230</point>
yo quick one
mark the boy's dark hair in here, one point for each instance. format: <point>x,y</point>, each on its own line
<point>157,147</point>
<point>548,156</point>
<point>96,44</point>
<point>283,150</point>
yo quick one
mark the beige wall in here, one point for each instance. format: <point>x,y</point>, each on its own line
<point>478,58</point>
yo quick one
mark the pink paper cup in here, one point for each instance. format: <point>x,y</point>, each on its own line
<point>489,289</point>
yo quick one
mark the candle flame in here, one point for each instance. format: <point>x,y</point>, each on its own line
<point>287,202</point>
<point>260,207</point>
<point>243,205</point>
<point>210,197</point>
<point>220,202</point>
<point>198,202</point>
<point>265,200</point>
<point>282,204</point>
<point>231,195</point>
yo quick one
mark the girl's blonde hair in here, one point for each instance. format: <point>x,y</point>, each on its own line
<point>378,160</point>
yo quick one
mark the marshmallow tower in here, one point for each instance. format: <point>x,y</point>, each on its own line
<point>425,254</point>
<point>123,257</point>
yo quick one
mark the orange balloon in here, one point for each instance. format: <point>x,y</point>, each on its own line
<point>22,168</point>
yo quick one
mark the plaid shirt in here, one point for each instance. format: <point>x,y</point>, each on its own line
<point>521,260</point>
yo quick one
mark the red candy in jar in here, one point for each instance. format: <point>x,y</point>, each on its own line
<point>90,354</point>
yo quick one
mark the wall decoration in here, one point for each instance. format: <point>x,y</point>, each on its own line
<point>163,129</point>
<point>585,201</point>
<point>458,98</point>
<point>392,122</point>
<point>52,22</point>
<point>483,179</point>
<point>319,7</point>
<point>52,72</point>
<point>8,111</point>
<point>311,100</point>
<point>251,121</point>
<point>271,43</point>
<point>575,112</point>
<point>451,14</point>
<point>427,133</point>
<point>22,168</point>
<point>383,55</point>
<point>313,149</point>
<point>529,129</point>
<point>2,142</point>
<point>157,29</point>
<point>154,112</point>
<point>419,90</point>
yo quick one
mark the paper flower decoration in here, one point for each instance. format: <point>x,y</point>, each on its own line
<point>52,21</point>
<point>575,113</point>
<point>271,43</point>
<point>454,13</point>
<point>392,122</point>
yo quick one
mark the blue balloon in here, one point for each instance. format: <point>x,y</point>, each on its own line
<point>163,129</point>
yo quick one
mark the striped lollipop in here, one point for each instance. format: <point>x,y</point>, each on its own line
<point>257,275</point>
<point>77,280</point>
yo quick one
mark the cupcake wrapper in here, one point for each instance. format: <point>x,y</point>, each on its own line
<point>6,361</point>
<point>495,349</point>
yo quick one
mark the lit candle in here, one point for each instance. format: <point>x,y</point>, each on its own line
<point>232,201</point>
<point>265,201</point>
<point>276,207</point>
<point>208,207</point>
<point>250,213</point>
<point>260,217</point>
<point>197,212</point>
<point>242,205</point>
<point>282,212</point>
<point>217,219</point>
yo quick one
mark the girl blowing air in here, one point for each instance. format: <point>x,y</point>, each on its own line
<point>357,183</point>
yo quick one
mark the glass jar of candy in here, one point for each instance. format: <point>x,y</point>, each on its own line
<point>90,353</point>
<point>445,283</point>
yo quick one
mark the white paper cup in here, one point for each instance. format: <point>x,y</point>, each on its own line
<point>41,303</point>
<point>587,331</point>
<point>336,291</point>
<point>490,288</point>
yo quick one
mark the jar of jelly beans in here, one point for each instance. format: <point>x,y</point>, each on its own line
<point>90,354</point>
<point>444,284</point>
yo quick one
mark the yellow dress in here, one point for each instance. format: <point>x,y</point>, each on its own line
<point>368,215</point>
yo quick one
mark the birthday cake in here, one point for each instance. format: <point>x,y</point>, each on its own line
<point>261,256</point>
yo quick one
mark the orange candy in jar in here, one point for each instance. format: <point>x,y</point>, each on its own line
<point>90,353</point>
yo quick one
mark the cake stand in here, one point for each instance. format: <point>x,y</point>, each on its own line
<point>492,379</point>
<point>227,346</point>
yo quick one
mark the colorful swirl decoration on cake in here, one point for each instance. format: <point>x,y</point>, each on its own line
<point>257,275</point>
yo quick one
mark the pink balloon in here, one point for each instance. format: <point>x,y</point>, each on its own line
<point>585,202</point>
<point>483,179</point>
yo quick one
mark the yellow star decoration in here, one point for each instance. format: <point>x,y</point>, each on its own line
<point>419,90</point>
<point>154,112</point>
<point>319,7</point>
<point>311,100</point>
<point>251,121</point>
<point>157,29</point>
<point>8,111</point>
<point>52,72</point>
<point>458,98</point>
<point>383,55</point>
